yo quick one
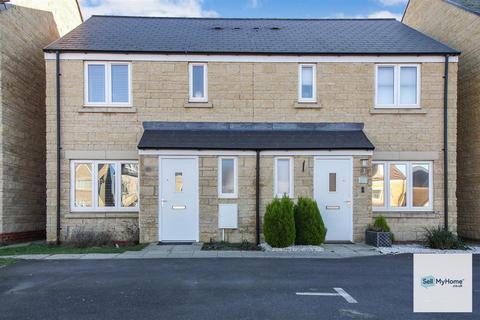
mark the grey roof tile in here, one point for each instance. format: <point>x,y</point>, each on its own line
<point>243,36</point>
<point>468,5</point>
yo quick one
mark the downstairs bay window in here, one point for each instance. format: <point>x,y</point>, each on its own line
<point>402,186</point>
<point>104,185</point>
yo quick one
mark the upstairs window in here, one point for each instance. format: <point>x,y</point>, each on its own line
<point>198,82</point>
<point>307,83</point>
<point>397,86</point>
<point>107,84</point>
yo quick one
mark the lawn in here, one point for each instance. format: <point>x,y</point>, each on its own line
<point>6,262</point>
<point>53,249</point>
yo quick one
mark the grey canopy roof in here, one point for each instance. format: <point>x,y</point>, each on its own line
<point>247,36</point>
<point>254,136</point>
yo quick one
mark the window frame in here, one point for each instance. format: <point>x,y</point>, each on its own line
<point>118,184</point>
<point>397,87</point>
<point>108,84</point>
<point>191,98</point>
<point>386,193</point>
<point>314,83</point>
<point>234,194</point>
<point>275,177</point>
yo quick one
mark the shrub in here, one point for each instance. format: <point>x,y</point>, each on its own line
<point>309,226</point>
<point>439,238</point>
<point>279,223</point>
<point>87,238</point>
<point>380,225</point>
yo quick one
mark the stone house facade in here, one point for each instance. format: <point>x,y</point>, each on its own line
<point>191,146</point>
<point>457,23</point>
<point>25,29</point>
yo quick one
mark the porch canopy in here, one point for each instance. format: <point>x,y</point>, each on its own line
<point>254,136</point>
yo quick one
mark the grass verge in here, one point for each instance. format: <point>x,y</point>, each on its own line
<point>6,262</point>
<point>53,249</point>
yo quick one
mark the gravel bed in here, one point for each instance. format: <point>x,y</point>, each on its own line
<point>417,248</point>
<point>293,248</point>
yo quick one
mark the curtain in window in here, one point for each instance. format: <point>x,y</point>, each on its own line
<point>283,176</point>
<point>385,85</point>
<point>307,82</point>
<point>228,175</point>
<point>96,83</point>
<point>408,85</point>
<point>119,83</point>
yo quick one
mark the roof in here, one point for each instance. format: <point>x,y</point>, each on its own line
<point>247,36</point>
<point>472,6</point>
<point>254,136</point>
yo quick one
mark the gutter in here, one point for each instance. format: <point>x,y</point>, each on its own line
<point>445,144</point>
<point>58,74</point>
<point>257,197</point>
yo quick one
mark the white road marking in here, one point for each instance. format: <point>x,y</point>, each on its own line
<point>340,293</point>
<point>345,295</point>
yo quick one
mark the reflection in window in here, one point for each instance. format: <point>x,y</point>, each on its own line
<point>420,181</point>
<point>129,184</point>
<point>83,185</point>
<point>178,181</point>
<point>198,83</point>
<point>385,85</point>
<point>307,82</point>
<point>332,182</point>
<point>228,172</point>
<point>106,185</point>
<point>378,185</point>
<point>398,185</point>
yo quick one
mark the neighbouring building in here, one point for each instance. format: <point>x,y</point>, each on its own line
<point>186,128</point>
<point>26,27</point>
<point>457,23</point>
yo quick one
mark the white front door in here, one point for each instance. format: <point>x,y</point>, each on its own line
<point>333,193</point>
<point>178,217</point>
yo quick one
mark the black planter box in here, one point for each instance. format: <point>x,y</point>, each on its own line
<point>378,239</point>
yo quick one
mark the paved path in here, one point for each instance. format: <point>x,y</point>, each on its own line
<point>155,251</point>
<point>216,289</point>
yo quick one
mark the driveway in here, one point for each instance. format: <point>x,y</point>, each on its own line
<point>214,288</point>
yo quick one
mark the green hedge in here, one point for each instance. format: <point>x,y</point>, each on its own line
<point>309,226</point>
<point>279,223</point>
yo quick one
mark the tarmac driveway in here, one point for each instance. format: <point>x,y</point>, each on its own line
<point>214,289</point>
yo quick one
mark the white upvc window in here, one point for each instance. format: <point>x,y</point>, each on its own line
<point>397,86</point>
<point>307,83</point>
<point>402,186</point>
<point>198,82</point>
<point>283,173</point>
<point>104,185</point>
<point>227,177</point>
<point>107,83</point>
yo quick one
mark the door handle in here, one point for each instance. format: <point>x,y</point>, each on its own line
<point>332,207</point>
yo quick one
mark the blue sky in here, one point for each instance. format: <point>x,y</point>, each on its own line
<point>248,8</point>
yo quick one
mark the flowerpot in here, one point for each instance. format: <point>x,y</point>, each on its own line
<point>378,239</point>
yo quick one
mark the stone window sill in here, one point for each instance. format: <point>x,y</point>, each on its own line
<point>93,215</point>
<point>398,111</point>
<point>89,109</point>
<point>307,105</point>
<point>198,105</point>
<point>408,214</point>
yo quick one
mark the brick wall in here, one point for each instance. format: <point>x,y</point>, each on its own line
<point>459,29</point>
<point>251,92</point>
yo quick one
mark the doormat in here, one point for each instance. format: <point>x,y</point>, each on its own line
<point>175,243</point>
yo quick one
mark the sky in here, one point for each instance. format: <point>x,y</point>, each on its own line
<point>248,8</point>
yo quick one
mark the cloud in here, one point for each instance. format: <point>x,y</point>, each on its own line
<point>389,3</point>
<point>171,8</point>
<point>254,3</point>
<point>385,14</point>
<point>374,15</point>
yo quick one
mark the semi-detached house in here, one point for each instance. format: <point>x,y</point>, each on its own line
<point>186,128</point>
